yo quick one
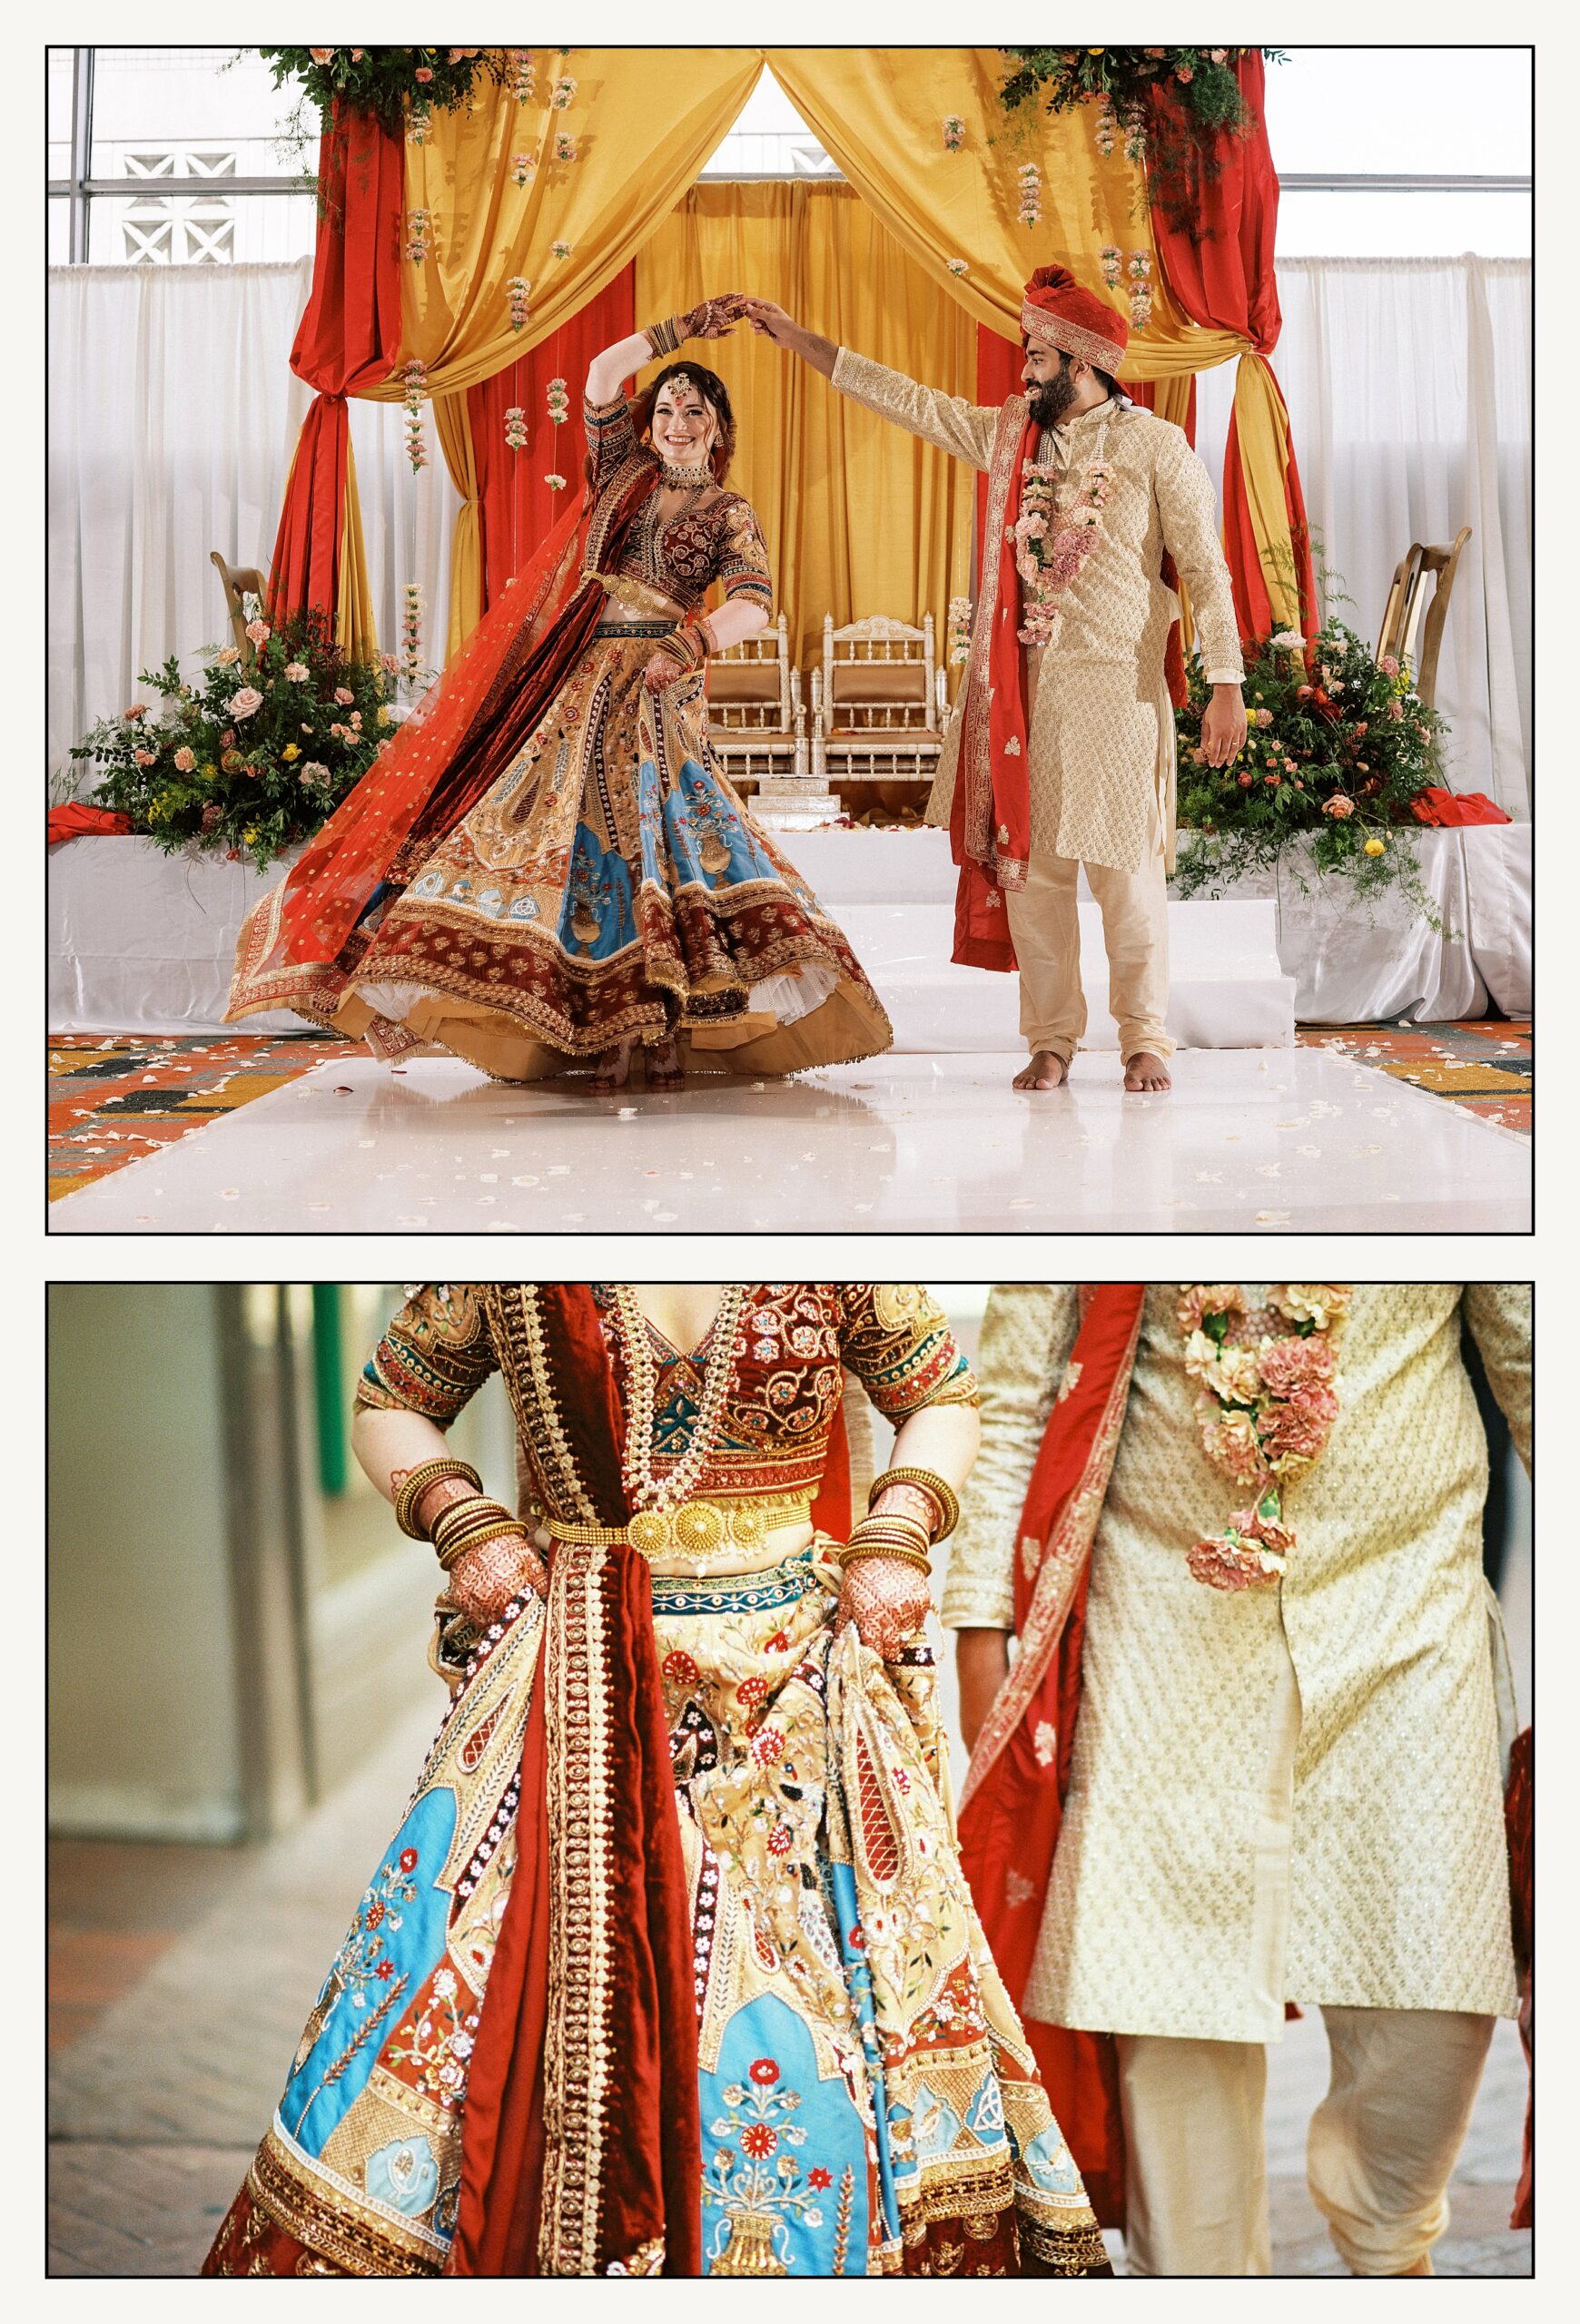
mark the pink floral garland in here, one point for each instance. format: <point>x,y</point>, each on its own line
<point>1267,1405</point>
<point>1051,549</point>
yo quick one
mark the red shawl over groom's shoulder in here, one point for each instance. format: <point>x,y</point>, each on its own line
<point>1014,1798</point>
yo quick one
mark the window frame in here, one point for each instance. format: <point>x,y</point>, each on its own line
<point>80,188</point>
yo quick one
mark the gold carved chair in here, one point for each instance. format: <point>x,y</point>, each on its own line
<point>756,718</point>
<point>1413,621</point>
<point>239,583</point>
<point>878,708</point>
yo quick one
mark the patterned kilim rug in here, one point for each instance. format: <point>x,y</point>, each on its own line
<point>115,1096</point>
<point>1486,1067</point>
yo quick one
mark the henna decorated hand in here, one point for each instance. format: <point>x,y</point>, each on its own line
<point>888,1600</point>
<point>664,671</point>
<point>714,317</point>
<point>482,1581</point>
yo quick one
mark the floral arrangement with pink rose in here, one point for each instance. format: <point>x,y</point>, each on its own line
<point>246,759</point>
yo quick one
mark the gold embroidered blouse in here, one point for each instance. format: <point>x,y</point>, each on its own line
<point>800,1339</point>
<point>719,539</point>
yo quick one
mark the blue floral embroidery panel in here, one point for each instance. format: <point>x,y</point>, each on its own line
<point>395,1939</point>
<point>784,2154</point>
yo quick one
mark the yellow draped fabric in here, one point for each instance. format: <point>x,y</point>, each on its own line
<point>880,112</point>
<point>859,518</point>
<point>644,120</point>
<point>1263,432</point>
<point>354,630</point>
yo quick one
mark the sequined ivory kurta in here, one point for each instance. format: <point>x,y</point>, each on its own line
<point>1101,746</point>
<point>1380,1881</point>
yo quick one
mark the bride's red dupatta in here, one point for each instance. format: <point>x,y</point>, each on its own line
<point>581,2149</point>
<point>1014,1798</point>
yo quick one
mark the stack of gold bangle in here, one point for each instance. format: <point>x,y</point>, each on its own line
<point>665,338</point>
<point>936,1487</point>
<point>467,1525</point>
<point>415,1483</point>
<point>888,1536</point>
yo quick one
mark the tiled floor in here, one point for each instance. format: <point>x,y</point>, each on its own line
<point>190,1971</point>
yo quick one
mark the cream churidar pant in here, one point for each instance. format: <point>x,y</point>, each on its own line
<point>1380,2154</point>
<point>1045,931</point>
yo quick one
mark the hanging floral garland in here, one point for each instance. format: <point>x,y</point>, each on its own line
<point>523,79</point>
<point>516,429</point>
<point>415,374</point>
<point>411,633</point>
<point>1267,1403</point>
<point>1140,270</point>
<point>419,227</point>
<point>958,631</point>
<point>1111,260</point>
<point>559,399</point>
<point>954,133</point>
<point>523,166</point>
<point>1029,179</point>
<point>518,293</point>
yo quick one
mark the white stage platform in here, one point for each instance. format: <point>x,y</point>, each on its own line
<point>143,943</point>
<point>1259,1141</point>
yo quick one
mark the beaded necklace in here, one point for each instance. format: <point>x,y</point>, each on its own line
<point>646,1493</point>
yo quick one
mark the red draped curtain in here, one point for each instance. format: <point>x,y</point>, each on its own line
<point>348,337</point>
<point>516,506</point>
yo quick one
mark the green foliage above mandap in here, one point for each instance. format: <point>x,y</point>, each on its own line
<point>384,81</point>
<point>1338,745</point>
<point>1168,106</point>
<point>246,761</point>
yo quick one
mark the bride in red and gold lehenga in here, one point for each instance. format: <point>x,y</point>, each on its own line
<point>670,1967</point>
<point>548,867</point>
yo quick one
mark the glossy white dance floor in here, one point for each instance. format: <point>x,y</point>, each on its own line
<point>1249,1139</point>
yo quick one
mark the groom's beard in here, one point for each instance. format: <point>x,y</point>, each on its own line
<point>1049,401</point>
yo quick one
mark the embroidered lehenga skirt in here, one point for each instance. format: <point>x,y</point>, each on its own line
<point>868,2103</point>
<point>609,884</point>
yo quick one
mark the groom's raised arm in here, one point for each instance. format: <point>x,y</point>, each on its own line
<point>962,429</point>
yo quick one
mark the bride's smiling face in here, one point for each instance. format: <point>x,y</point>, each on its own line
<point>684,427</point>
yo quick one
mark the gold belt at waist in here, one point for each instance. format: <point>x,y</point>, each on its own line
<point>696,1529</point>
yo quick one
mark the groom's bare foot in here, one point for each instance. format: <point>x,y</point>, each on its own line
<point>1045,1071</point>
<point>1145,1071</point>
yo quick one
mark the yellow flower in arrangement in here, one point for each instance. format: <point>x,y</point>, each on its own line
<point>1374,847</point>
<point>383,718</point>
<point>289,752</point>
<point>208,769</point>
<point>250,835</point>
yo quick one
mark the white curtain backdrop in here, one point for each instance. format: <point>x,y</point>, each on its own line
<point>173,414</point>
<point>1408,384</point>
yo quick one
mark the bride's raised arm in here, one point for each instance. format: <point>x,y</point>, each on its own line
<point>711,320</point>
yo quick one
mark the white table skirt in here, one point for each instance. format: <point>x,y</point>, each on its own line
<point>143,943</point>
<point>1355,962</point>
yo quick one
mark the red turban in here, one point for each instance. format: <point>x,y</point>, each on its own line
<point>1055,312</point>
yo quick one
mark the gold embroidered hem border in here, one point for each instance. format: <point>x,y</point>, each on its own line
<point>311,2212</point>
